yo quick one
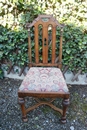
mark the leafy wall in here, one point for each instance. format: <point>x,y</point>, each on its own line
<point>13,35</point>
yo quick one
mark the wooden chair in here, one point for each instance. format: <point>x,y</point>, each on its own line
<point>44,79</point>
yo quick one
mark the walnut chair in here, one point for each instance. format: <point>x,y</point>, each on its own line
<point>44,79</point>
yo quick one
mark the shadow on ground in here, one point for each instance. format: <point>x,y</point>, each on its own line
<point>42,118</point>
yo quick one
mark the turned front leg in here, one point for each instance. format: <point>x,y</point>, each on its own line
<point>22,104</point>
<point>65,105</point>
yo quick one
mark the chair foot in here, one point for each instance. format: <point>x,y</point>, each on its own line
<point>63,120</point>
<point>24,118</point>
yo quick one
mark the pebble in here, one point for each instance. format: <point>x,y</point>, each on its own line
<point>85,99</point>
<point>36,118</point>
<point>38,126</point>
<point>71,127</point>
<point>42,128</point>
<point>73,120</point>
<point>83,95</point>
<point>9,89</point>
<point>47,121</point>
<point>52,120</point>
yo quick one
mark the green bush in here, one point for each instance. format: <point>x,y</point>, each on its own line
<point>14,46</point>
<point>13,35</point>
<point>75,48</point>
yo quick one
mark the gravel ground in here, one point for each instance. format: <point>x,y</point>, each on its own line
<point>42,118</point>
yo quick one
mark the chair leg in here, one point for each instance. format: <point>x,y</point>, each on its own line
<point>65,105</point>
<point>22,104</point>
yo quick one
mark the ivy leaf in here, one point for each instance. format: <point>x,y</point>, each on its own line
<point>1,53</point>
<point>68,51</point>
<point>85,55</point>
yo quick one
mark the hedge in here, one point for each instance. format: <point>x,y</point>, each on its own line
<point>13,34</point>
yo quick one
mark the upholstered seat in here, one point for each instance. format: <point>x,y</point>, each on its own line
<point>44,79</point>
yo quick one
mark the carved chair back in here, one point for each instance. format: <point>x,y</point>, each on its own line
<point>46,26</point>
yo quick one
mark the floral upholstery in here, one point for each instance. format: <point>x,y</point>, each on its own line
<point>44,79</point>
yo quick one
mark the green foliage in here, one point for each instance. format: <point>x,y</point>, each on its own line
<point>1,73</point>
<point>13,46</point>
<point>75,47</point>
<point>13,36</point>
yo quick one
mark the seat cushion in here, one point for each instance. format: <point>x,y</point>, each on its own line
<point>44,79</point>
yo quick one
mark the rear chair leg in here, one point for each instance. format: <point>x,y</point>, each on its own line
<point>65,105</point>
<point>22,104</point>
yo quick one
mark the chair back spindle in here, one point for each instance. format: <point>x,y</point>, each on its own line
<point>29,48</point>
